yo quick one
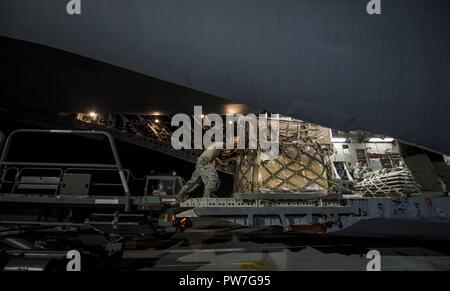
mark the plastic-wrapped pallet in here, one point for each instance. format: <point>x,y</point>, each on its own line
<point>388,182</point>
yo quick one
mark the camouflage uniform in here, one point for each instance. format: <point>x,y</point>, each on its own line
<point>205,173</point>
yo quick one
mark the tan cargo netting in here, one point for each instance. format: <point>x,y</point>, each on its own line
<point>303,162</point>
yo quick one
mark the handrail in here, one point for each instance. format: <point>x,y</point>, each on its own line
<point>72,165</point>
<point>117,166</point>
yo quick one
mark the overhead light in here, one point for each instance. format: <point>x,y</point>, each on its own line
<point>234,108</point>
<point>157,120</point>
<point>338,139</point>
<point>93,114</point>
<point>379,139</point>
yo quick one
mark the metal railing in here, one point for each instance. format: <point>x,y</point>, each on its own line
<point>117,166</point>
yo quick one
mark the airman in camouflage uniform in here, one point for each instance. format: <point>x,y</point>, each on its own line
<point>205,173</point>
